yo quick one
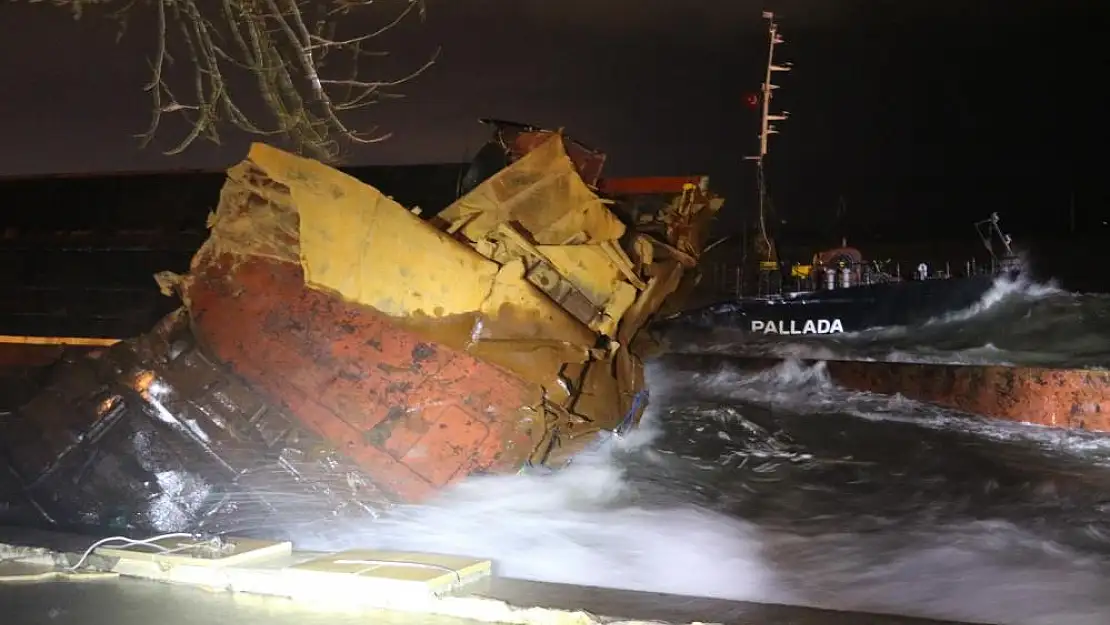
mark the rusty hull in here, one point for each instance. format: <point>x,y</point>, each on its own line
<point>1061,398</point>
<point>495,336</point>
<point>414,413</point>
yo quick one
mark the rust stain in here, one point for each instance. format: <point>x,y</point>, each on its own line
<point>1062,398</point>
<point>416,416</point>
<point>503,332</point>
<point>513,341</point>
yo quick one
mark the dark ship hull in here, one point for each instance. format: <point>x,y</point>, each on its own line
<point>836,311</point>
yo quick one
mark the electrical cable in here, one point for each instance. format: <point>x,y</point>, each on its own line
<point>128,542</point>
<point>72,572</point>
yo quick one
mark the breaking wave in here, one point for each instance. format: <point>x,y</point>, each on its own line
<point>780,487</point>
<point>587,524</point>
<point>1017,321</point>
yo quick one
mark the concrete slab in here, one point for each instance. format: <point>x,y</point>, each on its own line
<point>262,591</point>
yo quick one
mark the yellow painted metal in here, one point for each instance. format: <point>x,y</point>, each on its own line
<point>544,194</point>
<point>525,332</point>
<point>366,247</point>
<point>592,270</point>
<point>801,271</point>
<point>57,340</point>
<point>526,271</point>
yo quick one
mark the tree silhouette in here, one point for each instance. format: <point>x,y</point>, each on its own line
<point>304,59</point>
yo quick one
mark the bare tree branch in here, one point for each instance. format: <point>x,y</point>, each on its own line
<point>306,76</point>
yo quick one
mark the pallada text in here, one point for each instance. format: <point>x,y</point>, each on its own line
<point>795,326</point>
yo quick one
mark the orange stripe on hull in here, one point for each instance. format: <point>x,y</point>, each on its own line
<point>656,185</point>
<point>1061,398</point>
<point>414,414</point>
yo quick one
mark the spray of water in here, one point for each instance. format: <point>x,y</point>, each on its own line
<point>603,522</point>
<point>1005,290</point>
<point>1016,322</point>
<point>980,565</point>
<point>584,525</point>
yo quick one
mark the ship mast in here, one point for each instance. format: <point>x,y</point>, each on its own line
<point>766,129</point>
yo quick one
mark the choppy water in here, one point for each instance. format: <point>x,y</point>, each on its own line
<point>780,487</point>
<point>1018,322</point>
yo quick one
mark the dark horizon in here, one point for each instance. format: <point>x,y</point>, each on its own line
<point>922,116</point>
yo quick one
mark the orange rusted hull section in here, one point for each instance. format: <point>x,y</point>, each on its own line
<point>335,345</point>
<point>416,415</point>
<point>497,335</point>
<point>1063,398</point>
<point>653,185</point>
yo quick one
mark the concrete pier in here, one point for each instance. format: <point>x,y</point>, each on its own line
<point>251,594</point>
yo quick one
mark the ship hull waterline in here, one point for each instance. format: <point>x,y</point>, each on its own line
<point>837,311</point>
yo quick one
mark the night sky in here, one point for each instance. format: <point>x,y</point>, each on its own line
<point>919,113</point>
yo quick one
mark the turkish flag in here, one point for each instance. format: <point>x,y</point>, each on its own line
<point>752,100</point>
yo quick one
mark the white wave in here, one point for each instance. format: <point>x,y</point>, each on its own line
<point>592,524</point>
<point>582,525</point>
<point>984,570</point>
<point>808,389</point>
<point>1004,290</point>
<point>945,339</point>
<point>980,571</point>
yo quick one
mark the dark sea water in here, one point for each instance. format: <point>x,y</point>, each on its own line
<point>1017,322</point>
<point>781,487</point>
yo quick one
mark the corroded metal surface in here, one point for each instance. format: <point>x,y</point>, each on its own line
<point>1063,398</point>
<point>496,335</point>
<point>349,354</point>
<point>523,282</point>
<point>1066,398</point>
<point>151,435</point>
<point>414,414</point>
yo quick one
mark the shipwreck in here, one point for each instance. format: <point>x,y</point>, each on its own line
<point>337,353</point>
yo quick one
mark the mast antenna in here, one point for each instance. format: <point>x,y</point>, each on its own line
<point>767,128</point>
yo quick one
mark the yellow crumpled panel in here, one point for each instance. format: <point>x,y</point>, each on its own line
<point>544,194</point>
<point>253,218</point>
<point>587,266</point>
<point>369,249</point>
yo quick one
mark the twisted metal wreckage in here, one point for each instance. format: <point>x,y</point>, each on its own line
<point>337,352</point>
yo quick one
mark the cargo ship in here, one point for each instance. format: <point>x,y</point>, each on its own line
<point>839,290</point>
<point>336,353</point>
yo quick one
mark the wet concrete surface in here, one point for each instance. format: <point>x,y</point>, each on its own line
<point>137,602</point>
<point>677,608</point>
<point>126,601</point>
<point>134,602</point>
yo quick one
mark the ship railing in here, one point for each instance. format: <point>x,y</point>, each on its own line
<point>733,279</point>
